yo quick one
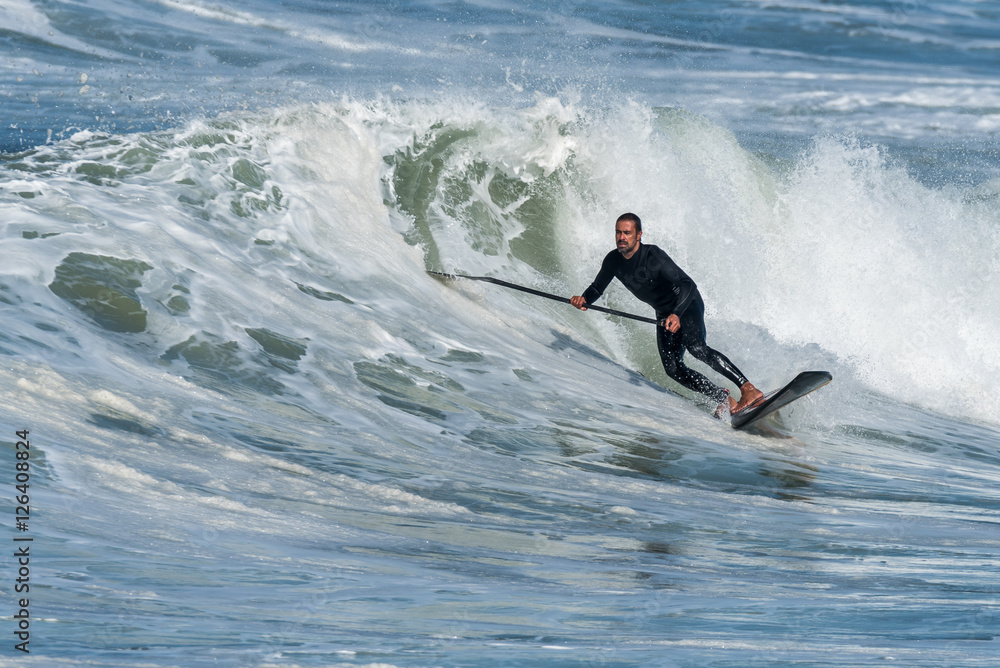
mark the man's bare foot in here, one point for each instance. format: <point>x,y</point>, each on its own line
<point>749,396</point>
<point>727,407</point>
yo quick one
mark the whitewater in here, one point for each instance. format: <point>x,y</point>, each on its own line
<point>244,426</point>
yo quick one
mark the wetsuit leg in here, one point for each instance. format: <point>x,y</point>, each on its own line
<point>692,338</point>
<point>671,350</point>
<point>693,333</point>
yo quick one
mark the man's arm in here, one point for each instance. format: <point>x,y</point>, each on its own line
<point>684,289</point>
<point>600,284</point>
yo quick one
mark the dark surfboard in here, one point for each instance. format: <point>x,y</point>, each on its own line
<point>801,385</point>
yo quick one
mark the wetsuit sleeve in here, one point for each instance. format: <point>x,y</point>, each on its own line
<point>604,276</point>
<point>670,274</point>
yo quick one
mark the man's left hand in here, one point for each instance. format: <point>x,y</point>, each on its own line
<point>672,324</point>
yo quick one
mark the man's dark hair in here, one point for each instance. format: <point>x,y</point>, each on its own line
<point>634,218</point>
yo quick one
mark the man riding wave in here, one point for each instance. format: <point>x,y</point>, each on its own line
<point>649,274</point>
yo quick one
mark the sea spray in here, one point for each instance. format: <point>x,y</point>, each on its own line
<point>841,247</point>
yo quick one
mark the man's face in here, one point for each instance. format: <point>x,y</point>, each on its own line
<point>627,238</point>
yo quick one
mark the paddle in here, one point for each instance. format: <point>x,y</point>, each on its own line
<point>539,293</point>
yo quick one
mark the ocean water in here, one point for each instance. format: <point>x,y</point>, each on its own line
<point>260,434</point>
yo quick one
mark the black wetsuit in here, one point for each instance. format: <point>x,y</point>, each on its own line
<point>655,279</point>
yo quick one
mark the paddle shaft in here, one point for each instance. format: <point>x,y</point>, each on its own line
<point>539,293</point>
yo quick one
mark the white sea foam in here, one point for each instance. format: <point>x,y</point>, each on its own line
<point>24,17</point>
<point>842,249</point>
<point>313,450</point>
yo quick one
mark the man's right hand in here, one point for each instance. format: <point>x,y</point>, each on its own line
<point>578,302</point>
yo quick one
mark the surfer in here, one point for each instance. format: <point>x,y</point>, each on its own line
<point>650,275</point>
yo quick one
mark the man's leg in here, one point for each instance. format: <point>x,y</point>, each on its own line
<point>693,335</point>
<point>671,350</point>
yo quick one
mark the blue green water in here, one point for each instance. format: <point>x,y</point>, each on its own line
<point>261,434</point>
